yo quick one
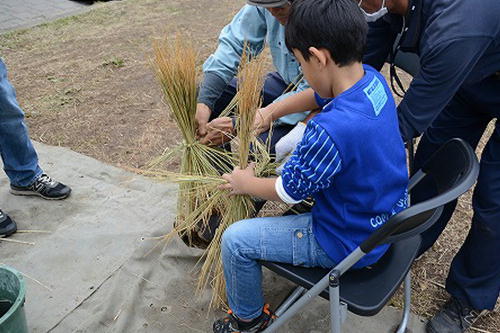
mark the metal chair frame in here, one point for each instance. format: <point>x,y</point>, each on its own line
<point>419,217</point>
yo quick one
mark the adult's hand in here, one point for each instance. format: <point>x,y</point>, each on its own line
<point>219,130</point>
<point>201,118</point>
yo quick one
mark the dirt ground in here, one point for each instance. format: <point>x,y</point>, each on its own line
<point>86,83</point>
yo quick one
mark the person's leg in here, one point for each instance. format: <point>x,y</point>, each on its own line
<point>274,87</point>
<point>19,157</point>
<point>277,133</point>
<point>287,239</point>
<point>458,120</point>
<point>225,98</point>
<point>474,276</point>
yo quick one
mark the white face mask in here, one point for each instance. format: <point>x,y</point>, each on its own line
<point>376,15</point>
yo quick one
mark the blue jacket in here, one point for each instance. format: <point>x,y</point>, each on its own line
<point>353,162</point>
<point>255,26</point>
<point>458,42</point>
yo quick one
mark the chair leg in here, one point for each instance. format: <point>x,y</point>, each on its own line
<point>334,294</point>
<point>289,301</point>
<point>407,304</point>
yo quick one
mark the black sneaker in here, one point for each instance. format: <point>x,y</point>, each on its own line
<point>7,225</point>
<point>454,317</point>
<point>191,239</point>
<point>231,324</point>
<point>44,187</point>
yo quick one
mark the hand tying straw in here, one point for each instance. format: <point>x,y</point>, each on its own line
<point>199,175</point>
<point>250,84</point>
<point>175,65</point>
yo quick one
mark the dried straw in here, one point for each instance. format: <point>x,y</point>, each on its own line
<point>175,64</point>
<point>239,207</point>
<point>199,197</point>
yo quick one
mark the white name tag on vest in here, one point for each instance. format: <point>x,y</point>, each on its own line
<point>376,94</point>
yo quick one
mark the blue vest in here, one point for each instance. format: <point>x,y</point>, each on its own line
<point>372,184</point>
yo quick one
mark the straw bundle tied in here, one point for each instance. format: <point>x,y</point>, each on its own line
<point>250,84</point>
<point>199,175</point>
<point>175,65</point>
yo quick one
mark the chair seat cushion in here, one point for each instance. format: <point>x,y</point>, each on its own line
<point>367,290</point>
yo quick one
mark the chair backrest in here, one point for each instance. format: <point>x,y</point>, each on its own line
<point>450,172</point>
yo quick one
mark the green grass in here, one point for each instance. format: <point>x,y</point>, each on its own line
<point>115,62</point>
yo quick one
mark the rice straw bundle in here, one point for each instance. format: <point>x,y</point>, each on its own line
<point>175,64</point>
<point>250,84</point>
<point>199,175</point>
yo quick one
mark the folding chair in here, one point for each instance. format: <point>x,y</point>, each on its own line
<point>451,171</point>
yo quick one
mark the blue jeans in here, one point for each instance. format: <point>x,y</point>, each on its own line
<point>18,155</point>
<point>286,239</point>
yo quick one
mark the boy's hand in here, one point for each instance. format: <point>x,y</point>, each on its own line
<point>263,120</point>
<point>238,179</point>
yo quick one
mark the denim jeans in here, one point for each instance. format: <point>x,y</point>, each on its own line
<point>286,239</point>
<point>18,155</point>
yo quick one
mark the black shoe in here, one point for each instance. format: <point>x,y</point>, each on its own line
<point>7,225</point>
<point>454,317</point>
<point>207,233</point>
<point>44,187</point>
<point>231,324</point>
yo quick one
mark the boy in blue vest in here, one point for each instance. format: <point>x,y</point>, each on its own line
<point>351,161</point>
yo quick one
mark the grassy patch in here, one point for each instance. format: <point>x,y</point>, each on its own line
<point>115,62</point>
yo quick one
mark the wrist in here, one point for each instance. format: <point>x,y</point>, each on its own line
<point>203,106</point>
<point>247,185</point>
<point>273,111</point>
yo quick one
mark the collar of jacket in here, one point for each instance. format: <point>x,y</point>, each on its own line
<point>412,30</point>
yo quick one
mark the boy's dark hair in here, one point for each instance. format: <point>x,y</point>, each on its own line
<point>335,25</point>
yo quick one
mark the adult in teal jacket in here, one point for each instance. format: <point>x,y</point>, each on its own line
<point>258,23</point>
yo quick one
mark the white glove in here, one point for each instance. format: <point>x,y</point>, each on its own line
<point>287,144</point>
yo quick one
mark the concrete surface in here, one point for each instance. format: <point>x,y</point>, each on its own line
<point>99,275</point>
<point>16,14</point>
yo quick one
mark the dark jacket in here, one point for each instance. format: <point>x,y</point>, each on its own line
<point>458,42</point>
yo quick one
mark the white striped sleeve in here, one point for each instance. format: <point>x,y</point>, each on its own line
<point>280,190</point>
<point>312,166</point>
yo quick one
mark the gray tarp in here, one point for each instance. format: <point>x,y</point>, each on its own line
<point>99,276</point>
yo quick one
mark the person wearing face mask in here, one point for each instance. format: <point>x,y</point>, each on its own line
<point>257,23</point>
<point>456,93</point>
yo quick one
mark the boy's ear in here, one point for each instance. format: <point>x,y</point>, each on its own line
<point>319,56</point>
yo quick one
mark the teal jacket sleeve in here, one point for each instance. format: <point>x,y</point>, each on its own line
<point>248,26</point>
